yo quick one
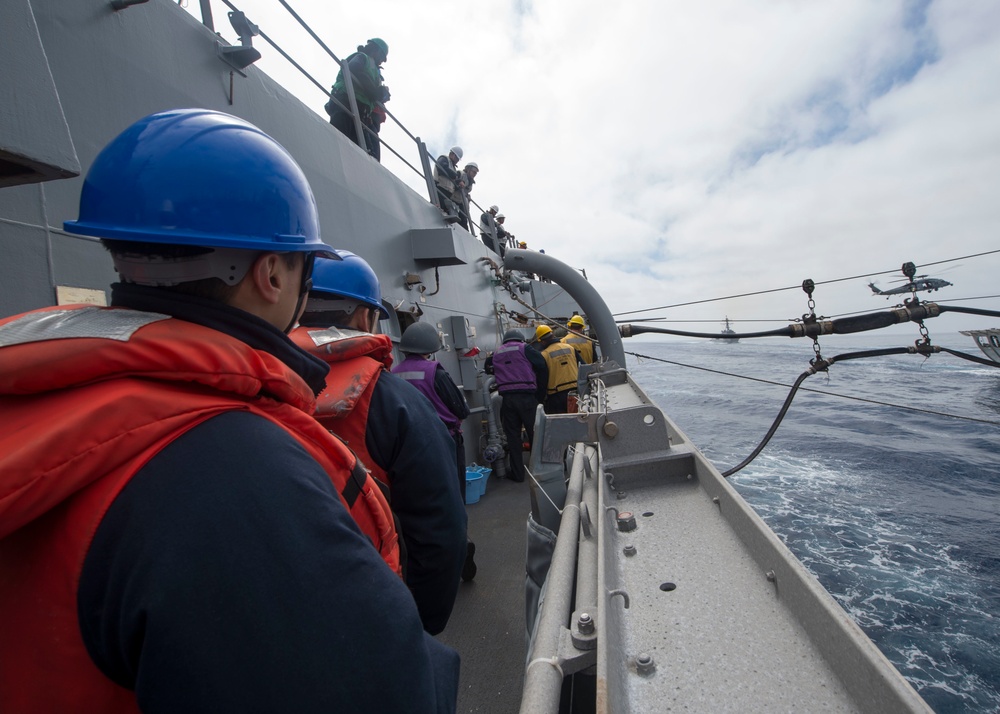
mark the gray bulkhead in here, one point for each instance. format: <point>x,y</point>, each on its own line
<point>97,70</point>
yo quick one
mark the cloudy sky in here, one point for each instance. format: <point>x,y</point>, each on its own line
<point>684,151</point>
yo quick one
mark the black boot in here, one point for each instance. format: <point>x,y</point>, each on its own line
<point>469,569</point>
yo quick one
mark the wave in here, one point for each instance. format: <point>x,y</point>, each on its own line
<point>897,513</point>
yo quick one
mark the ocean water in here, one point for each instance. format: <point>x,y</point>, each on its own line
<point>896,512</point>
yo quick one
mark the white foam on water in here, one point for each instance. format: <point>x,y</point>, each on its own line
<point>895,512</point>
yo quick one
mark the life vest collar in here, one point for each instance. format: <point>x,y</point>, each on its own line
<point>336,344</point>
<point>98,343</point>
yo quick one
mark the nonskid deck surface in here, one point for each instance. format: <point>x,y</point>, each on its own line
<point>487,625</point>
<point>703,609</point>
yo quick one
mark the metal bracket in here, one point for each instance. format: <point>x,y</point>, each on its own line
<point>561,430</point>
<point>572,658</point>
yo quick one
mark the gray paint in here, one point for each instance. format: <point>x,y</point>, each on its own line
<point>583,292</point>
<point>35,144</point>
<point>745,627</point>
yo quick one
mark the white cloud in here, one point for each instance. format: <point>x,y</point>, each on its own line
<point>682,151</point>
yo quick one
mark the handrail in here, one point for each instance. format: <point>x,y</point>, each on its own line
<point>207,20</point>
<point>543,675</point>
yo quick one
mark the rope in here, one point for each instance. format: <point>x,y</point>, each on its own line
<point>836,394</point>
<point>542,489</point>
<point>548,319</point>
<point>799,287</point>
<point>831,317</point>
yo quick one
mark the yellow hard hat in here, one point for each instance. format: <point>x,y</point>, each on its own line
<point>541,331</point>
<point>576,321</point>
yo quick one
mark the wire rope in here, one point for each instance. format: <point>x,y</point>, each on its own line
<point>798,287</point>
<point>797,387</point>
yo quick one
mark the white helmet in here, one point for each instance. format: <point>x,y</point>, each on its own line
<point>494,208</point>
<point>500,216</point>
<point>472,165</point>
<point>457,151</point>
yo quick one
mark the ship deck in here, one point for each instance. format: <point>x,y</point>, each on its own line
<point>487,625</point>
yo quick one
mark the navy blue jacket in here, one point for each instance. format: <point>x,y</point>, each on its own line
<point>228,576</point>
<point>411,444</point>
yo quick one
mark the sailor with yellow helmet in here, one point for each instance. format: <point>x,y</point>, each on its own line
<point>583,345</point>
<point>563,363</point>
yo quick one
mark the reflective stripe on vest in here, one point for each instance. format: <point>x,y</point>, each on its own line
<point>512,369</point>
<point>99,407</point>
<point>582,345</point>
<point>563,368</point>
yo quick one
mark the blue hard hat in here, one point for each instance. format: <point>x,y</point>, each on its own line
<point>350,277</point>
<point>200,178</point>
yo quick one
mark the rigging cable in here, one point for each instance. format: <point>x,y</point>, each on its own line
<point>548,319</point>
<point>822,366</point>
<point>840,314</point>
<point>796,287</point>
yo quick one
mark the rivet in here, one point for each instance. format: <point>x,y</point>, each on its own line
<point>771,577</point>
<point>644,663</point>
<point>629,550</point>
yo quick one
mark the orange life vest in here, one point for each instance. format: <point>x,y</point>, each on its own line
<point>356,360</point>
<point>89,395</point>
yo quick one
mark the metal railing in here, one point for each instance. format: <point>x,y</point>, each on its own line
<point>425,159</point>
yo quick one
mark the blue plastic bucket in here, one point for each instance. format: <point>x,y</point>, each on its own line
<point>473,486</point>
<point>483,471</point>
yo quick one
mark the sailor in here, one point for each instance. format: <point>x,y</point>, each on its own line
<point>564,365</point>
<point>390,426</point>
<point>579,341</point>
<point>466,180</point>
<point>370,94</point>
<point>419,368</point>
<point>503,235</point>
<point>488,231</point>
<point>178,533</point>
<point>447,176</point>
<point>522,377</point>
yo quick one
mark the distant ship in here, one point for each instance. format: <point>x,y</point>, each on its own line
<point>728,333</point>
<point>988,341</point>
